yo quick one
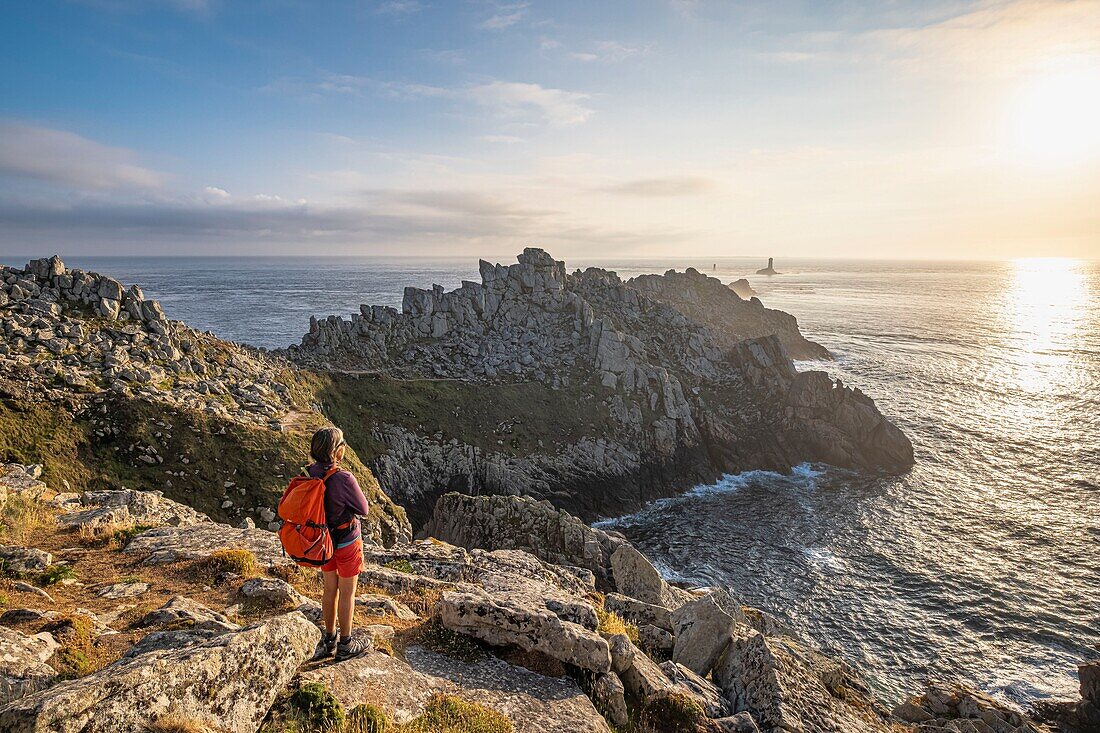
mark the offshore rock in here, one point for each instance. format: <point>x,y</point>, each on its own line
<point>227,683</point>
<point>950,706</point>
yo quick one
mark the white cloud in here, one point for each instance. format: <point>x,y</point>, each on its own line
<point>505,16</point>
<point>610,51</point>
<point>59,156</point>
<point>516,100</point>
<point>214,195</point>
<point>664,186</point>
<point>502,138</point>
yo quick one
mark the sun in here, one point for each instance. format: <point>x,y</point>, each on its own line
<point>1055,118</point>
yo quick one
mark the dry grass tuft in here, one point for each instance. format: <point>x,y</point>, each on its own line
<point>450,714</point>
<point>236,560</point>
<point>612,623</point>
<point>177,724</point>
<point>23,520</point>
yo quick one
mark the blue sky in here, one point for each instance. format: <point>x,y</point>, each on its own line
<point>897,129</point>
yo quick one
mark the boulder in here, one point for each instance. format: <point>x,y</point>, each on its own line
<point>17,560</point>
<point>636,577</point>
<point>131,507</point>
<point>703,629</point>
<point>182,612</point>
<point>948,707</point>
<point>705,692</point>
<point>644,680</point>
<point>622,652</point>
<point>23,667</point>
<point>379,605</point>
<point>638,612</point>
<point>740,723</point>
<point>502,621</point>
<point>227,683</point>
<point>655,641</point>
<point>786,687</point>
<point>533,702</point>
<point>115,591</point>
<point>609,697</point>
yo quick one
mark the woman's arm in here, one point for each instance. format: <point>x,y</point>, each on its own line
<point>355,501</point>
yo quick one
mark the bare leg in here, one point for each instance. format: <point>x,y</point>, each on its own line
<point>347,604</point>
<point>328,601</point>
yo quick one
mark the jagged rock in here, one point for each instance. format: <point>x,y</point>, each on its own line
<point>130,507</point>
<point>172,544</point>
<point>503,621</point>
<point>378,605</point>
<point>644,680</point>
<point>1089,674</point>
<point>23,667</point>
<point>951,706</point>
<point>767,624</point>
<point>609,697</point>
<point>786,687</point>
<point>396,582</point>
<point>638,612</point>
<point>743,288</point>
<point>534,703</point>
<point>272,592</point>
<point>703,629</point>
<point>636,577</point>
<point>706,693</point>
<point>622,652</point>
<point>740,723</point>
<point>515,522</point>
<point>246,669</point>
<point>16,560</point>
<point>655,640</point>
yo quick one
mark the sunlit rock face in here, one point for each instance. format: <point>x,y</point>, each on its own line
<point>675,378</point>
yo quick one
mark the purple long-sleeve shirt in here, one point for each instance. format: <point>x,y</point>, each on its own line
<point>344,502</point>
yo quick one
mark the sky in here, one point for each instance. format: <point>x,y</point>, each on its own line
<point>912,130</point>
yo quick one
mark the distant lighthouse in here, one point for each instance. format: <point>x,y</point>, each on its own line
<point>769,270</point>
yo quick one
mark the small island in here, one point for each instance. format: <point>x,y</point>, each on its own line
<point>769,270</point>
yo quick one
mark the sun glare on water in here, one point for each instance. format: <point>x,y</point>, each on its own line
<point>1044,305</point>
<point>1055,118</point>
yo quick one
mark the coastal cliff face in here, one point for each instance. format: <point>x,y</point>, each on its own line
<point>674,379</point>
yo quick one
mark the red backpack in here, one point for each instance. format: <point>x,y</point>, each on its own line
<point>305,534</point>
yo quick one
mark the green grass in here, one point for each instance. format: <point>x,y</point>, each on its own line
<point>55,574</point>
<point>401,565</point>
<point>510,418</point>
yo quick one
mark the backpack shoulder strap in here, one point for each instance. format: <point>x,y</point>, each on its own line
<point>330,473</point>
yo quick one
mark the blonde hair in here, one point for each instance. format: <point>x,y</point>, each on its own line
<point>326,442</point>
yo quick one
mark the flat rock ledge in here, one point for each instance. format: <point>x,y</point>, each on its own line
<point>227,683</point>
<point>533,702</point>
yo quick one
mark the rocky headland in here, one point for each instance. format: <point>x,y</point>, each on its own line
<point>596,393</point>
<point>143,587</point>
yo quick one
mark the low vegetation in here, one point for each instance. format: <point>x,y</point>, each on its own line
<point>612,623</point>
<point>312,708</point>
<point>675,712</point>
<point>237,561</point>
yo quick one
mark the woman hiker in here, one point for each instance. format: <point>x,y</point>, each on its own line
<point>344,504</point>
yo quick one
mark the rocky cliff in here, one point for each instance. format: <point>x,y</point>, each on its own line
<point>670,380</point>
<point>101,387</point>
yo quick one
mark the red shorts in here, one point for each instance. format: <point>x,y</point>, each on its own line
<point>346,562</point>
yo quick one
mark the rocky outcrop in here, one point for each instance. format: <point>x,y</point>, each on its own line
<point>503,620</point>
<point>515,522</point>
<point>684,379</point>
<point>743,289</point>
<point>173,544</point>
<point>955,707</point>
<point>23,667</point>
<point>227,683</point>
<point>1075,716</point>
<point>128,508</point>
<point>785,686</point>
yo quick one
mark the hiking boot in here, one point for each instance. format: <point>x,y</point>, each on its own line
<point>327,646</point>
<point>353,646</point>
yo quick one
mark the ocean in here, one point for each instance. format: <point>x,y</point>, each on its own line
<point>981,564</point>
